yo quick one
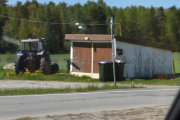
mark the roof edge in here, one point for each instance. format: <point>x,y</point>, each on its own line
<point>145,43</point>
<point>102,37</point>
<point>88,37</point>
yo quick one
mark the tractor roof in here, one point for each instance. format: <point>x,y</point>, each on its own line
<point>31,40</point>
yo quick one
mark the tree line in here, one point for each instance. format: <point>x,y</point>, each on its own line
<point>52,21</point>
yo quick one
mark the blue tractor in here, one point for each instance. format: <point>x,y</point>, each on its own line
<point>33,56</point>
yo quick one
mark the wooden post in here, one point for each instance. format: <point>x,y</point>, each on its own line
<point>174,68</point>
<point>120,25</point>
<point>92,59</point>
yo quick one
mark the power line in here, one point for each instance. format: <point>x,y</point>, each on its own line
<point>31,20</point>
<point>47,22</point>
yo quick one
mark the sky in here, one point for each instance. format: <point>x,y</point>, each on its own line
<point>117,3</point>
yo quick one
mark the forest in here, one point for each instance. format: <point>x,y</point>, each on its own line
<point>52,21</point>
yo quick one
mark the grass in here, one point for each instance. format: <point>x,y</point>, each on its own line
<point>55,58</point>
<point>26,118</point>
<point>26,91</point>
<point>60,60</point>
<point>60,76</point>
<point>156,82</point>
<point>7,58</point>
<point>176,58</point>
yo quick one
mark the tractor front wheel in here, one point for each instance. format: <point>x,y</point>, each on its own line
<point>54,68</point>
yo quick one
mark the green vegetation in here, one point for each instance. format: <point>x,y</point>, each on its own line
<point>6,58</point>
<point>26,118</point>
<point>154,24</point>
<point>60,76</point>
<point>60,59</point>
<point>176,58</point>
<point>55,58</point>
<point>153,82</point>
<point>26,91</point>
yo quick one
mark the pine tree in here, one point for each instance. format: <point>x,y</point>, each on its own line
<point>151,25</point>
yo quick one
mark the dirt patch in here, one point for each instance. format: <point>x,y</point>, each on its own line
<point>144,113</point>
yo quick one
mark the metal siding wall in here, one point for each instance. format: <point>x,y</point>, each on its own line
<point>142,61</point>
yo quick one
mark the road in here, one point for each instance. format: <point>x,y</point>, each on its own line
<point>13,107</point>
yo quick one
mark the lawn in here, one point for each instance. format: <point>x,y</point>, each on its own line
<point>55,58</point>
<point>176,58</point>
<point>7,58</point>
<point>60,59</point>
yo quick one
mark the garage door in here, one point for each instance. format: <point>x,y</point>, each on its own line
<point>102,52</point>
<point>81,57</point>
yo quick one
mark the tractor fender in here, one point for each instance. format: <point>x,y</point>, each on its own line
<point>43,52</point>
<point>20,53</point>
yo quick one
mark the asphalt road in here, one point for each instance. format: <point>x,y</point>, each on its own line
<point>13,107</point>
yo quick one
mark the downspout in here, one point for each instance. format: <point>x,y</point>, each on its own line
<point>92,59</point>
<point>71,58</point>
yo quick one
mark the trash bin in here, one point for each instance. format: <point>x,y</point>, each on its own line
<point>119,70</point>
<point>105,71</point>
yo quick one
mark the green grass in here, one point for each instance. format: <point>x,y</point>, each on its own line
<point>153,82</point>
<point>7,92</point>
<point>60,60</point>
<point>176,58</point>
<point>55,58</point>
<point>60,76</point>
<point>7,58</point>
<point>26,118</point>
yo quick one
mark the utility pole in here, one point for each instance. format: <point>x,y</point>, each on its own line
<point>113,50</point>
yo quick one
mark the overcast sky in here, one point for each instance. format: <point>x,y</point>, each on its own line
<point>117,3</point>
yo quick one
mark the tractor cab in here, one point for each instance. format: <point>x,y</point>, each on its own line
<point>31,45</point>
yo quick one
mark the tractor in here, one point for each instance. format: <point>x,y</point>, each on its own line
<point>33,56</point>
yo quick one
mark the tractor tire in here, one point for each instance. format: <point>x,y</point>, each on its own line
<point>18,65</point>
<point>45,65</point>
<point>54,68</point>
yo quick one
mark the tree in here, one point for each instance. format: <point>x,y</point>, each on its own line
<point>130,24</point>
<point>151,25</point>
<point>119,15</point>
<point>3,2</point>
<point>161,25</point>
<point>142,19</point>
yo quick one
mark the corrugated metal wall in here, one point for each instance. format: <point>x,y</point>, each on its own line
<point>142,61</point>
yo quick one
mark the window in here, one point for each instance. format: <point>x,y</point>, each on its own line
<point>119,51</point>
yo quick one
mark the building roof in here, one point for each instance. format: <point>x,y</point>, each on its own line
<point>91,37</point>
<point>96,37</point>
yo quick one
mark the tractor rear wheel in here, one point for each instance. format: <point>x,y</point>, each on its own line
<point>18,65</point>
<point>45,65</point>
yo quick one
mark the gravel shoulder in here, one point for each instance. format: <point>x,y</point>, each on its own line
<point>142,113</point>
<point>16,84</point>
